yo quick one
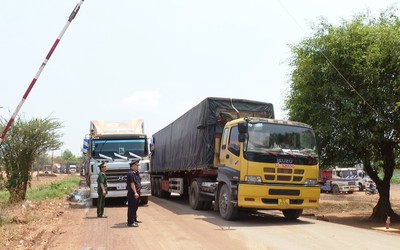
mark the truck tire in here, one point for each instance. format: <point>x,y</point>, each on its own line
<point>94,202</point>
<point>157,187</point>
<point>335,189</point>
<point>194,194</point>
<point>292,214</point>
<point>227,209</point>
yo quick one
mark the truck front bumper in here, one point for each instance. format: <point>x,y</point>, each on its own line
<point>265,196</point>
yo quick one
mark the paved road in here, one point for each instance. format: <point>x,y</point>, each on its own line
<point>172,224</point>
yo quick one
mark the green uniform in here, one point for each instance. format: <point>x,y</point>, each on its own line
<point>102,199</point>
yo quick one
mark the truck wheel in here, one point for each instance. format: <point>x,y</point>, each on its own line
<point>292,214</point>
<point>159,188</point>
<point>194,196</point>
<point>144,200</point>
<point>335,189</point>
<point>227,209</point>
<point>156,187</point>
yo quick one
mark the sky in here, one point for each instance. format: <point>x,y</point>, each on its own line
<point>152,59</point>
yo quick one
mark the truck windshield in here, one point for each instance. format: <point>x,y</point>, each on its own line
<point>122,147</point>
<point>348,174</point>
<point>280,137</point>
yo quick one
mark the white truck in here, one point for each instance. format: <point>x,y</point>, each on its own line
<point>72,169</point>
<point>117,143</point>
<point>332,181</point>
<point>361,178</point>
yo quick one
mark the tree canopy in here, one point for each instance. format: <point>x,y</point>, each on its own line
<point>345,83</point>
<point>69,157</point>
<point>25,141</point>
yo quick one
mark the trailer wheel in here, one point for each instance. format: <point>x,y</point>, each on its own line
<point>194,196</point>
<point>227,209</point>
<point>292,214</point>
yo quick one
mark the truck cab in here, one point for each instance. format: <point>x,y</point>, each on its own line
<point>117,143</point>
<point>267,164</point>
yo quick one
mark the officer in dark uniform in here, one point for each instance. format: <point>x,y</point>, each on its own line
<point>101,190</point>
<point>133,182</point>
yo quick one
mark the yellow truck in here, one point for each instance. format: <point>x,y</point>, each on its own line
<point>232,155</point>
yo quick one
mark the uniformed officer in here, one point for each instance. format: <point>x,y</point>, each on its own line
<point>101,190</point>
<point>133,183</point>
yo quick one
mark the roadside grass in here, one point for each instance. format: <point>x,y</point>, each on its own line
<point>43,203</point>
<point>52,190</point>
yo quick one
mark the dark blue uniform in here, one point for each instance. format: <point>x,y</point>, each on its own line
<point>133,203</point>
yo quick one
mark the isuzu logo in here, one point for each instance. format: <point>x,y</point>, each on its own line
<point>284,163</point>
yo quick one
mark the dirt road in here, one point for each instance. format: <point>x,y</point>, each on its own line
<point>172,224</point>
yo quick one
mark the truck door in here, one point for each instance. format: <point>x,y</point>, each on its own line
<point>230,148</point>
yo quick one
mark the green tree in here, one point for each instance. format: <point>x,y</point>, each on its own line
<point>69,157</point>
<point>25,141</point>
<point>345,83</point>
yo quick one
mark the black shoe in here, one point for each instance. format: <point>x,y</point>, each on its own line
<point>138,221</point>
<point>133,225</point>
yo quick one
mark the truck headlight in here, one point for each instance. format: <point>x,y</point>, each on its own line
<point>250,178</point>
<point>310,182</point>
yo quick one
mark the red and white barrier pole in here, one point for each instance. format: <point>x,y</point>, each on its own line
<point>11,121</point>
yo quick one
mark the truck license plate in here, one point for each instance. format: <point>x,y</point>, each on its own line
<point>121,186</point>
<point>283,202</point>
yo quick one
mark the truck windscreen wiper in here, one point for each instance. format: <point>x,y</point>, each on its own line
<point>121,156</point>
<point>105,156</point>
<point>135,155</point>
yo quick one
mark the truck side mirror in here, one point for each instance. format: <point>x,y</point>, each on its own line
<point>242,137</point>
<point>242,126</point>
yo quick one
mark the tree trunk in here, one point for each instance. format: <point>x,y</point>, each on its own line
<point>19,180</point>
<point>17,195</point>
<point>383,208</point>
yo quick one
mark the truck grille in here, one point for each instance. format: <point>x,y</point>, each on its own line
<point>116,175</point>
<point>283,175</point>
